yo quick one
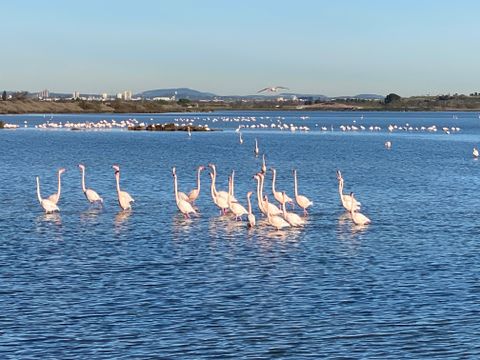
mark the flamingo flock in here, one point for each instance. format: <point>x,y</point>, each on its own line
<point>276,216</point>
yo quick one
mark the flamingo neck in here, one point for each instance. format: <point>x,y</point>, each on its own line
<point>259,198</point>
<point>175,187</point>
<point>212,189</point>
<point>295,183</point>
<point>38,190</point>
<point>249,204</point>
<point>233,183</point>
<point>340,188</point>
<point>83,181</point>
<point>117,178</point>
<point>198,179</point>
<point>59,185</point>
<point>273,181</point>
<point>262,179</point>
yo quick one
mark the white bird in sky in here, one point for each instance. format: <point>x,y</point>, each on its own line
<point>272,89</point>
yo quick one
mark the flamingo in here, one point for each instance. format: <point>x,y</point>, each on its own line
<point>259,197</point>
<point>358,218</point>
<point>256,151</point>
<point>264,165</point>
<point>475,152</point>
<point>292,218</point>
<point>250,216</point>
<point>237,209</point>
<point>301,200</point>
<point>184,206</point>
<point>47,205</point>
<point>346,199</point>
<point>193,195</point>
<point>231,186</point>
<point>124,198</point>
<point>54,198</point>
<point>223,194</point>
<point>218,200</point>
<point>282,198</point>
<point>181,194</point>
<point>388,145</point>
<point>275,220</point>
<point>274,210</point>
<point>90,194</point>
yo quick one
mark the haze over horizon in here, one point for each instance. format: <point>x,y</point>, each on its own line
<point>410,48</point>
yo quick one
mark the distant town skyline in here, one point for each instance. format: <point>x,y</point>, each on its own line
<point>320,47</point>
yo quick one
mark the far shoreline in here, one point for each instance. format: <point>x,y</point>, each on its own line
<point>36,107</point>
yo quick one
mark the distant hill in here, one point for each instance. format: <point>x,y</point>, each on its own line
<point>360,96</point>
<point>180,93</point>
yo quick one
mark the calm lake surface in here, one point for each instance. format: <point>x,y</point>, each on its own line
<point>93,283</point>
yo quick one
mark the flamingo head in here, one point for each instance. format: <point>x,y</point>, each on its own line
<point>61,171</point>
<point>249,193</point>
<point>256,177</point>
<point>201,168</point>
<point>273,170</point>
<point>174,171</point>
<point>351,195</point>
<point>81,166</point>
<point>339,175</point>
<point>117,169</point>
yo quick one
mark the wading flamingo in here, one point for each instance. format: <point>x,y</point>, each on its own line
<point>346,199</point>
<point>237,209</point>
<point>301,200</point>
<point>181,194</point>
<point>264,165</point>
<point>54,198</point>
<point>184,206</point>
<point>193,195</point>
<point>280,196</point>
<point>90,194</point>
<point>274,210</point>
<point>250,216</point>
<point>292,218</point>
<point>46,204</point>
<point>218,200</point>
<point>231,186</point>
<point>222,193</point>
<point>358,218</point>
<point>276,221</point>
<point>124,198</point>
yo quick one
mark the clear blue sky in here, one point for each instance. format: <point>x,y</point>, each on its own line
<point>237,47</point>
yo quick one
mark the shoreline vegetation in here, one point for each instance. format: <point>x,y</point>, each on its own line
<point>392,102</point>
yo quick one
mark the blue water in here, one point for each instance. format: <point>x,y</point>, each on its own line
<point>101,283</point>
